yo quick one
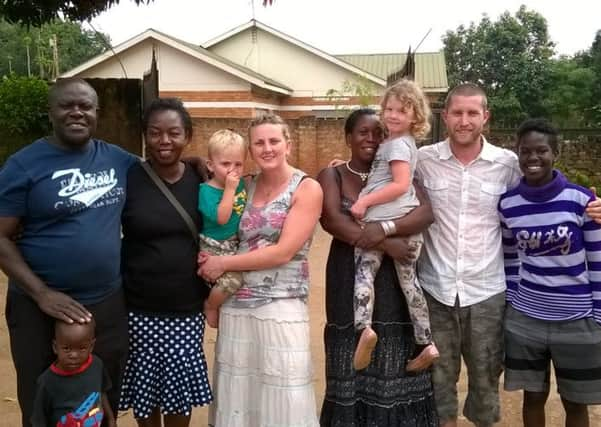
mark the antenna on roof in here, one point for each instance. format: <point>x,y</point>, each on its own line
<point>422,40</point>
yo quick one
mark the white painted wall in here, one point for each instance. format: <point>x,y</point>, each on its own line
<point>178,71</point>
<point>135,60</point>
<point>308,74</point>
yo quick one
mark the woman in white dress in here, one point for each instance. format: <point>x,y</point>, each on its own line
<point>263,372</point>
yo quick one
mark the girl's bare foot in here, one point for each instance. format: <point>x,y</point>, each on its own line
<point>425,359</point>
<point>367,343</point>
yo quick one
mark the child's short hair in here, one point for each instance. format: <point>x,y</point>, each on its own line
<point>225,138</point>
<point>270,119</point>
<point>409,93</point>
<point>541,126</point>
<point>60,326</point>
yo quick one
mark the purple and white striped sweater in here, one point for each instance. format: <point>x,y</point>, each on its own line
<point>552,251</point>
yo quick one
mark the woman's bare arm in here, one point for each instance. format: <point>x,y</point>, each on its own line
<point>339,224</point>
<point>298,227</point>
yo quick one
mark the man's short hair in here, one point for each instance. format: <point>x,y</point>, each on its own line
<point>466,89</point>
<point>61,84</point>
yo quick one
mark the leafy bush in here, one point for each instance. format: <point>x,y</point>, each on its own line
<point>23,105</point>
<point>23,113</point>
<point>578,177</point>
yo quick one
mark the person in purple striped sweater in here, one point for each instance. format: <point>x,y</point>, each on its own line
<point>553,269</point>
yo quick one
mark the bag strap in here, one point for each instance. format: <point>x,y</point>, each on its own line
<point>169,195</point>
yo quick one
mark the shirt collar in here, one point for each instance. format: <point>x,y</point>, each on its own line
<point>79,370</point>
<point>545,192</point>
<point>487,153</point>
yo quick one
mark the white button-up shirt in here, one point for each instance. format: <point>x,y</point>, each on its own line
<point>462,254</point>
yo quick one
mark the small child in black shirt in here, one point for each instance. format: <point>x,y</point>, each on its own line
<point>71,392</point>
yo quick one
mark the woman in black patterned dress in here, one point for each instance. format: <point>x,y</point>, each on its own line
<point>383,394</point>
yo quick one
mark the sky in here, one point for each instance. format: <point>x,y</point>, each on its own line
<point>348,26</point>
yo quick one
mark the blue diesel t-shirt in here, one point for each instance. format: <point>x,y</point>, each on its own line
<point>70,205</point>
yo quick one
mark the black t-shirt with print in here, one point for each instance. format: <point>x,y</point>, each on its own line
<point>65,398</point>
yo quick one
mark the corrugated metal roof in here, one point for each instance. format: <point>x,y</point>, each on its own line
<point>430,67</point>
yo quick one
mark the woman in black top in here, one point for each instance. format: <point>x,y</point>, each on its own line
<point>166,372</point>
<point>384,394</point>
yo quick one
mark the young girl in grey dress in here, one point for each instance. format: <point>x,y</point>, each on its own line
<point>388,195</point>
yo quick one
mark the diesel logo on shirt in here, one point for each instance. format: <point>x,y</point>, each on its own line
<point>87,188</point>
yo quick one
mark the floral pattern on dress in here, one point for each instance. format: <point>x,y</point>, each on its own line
<point>260,227</point>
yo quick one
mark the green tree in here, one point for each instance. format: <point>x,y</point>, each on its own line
<point>74,44</point>
<point>591,59</point>
<point>38,12</point>
<point>360,88</point>
<point>11,46</point>
<point>510,58</point>
<point>568,97</point>
<point>41,12</point>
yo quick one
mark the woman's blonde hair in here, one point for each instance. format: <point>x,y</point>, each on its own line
<point>410,94</point>
<point>223,139</point>
<point>270,119</point>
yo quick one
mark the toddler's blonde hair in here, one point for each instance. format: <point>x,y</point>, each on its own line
<point>223,139</point>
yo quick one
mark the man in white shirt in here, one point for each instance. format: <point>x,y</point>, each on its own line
<point>461,268</point>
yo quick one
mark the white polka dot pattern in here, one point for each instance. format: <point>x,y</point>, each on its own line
<point>166,366</point>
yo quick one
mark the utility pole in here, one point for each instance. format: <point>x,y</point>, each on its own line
<point>28,61</point>
<point>40,59</point>
<point>27,41</point>
<point>54,45</point>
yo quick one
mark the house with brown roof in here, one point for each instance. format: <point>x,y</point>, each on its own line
<point>254,68</point>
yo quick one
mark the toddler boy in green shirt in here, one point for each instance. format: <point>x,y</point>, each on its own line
<point>221,201</point>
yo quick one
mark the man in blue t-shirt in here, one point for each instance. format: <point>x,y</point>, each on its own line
<point>65,193</point>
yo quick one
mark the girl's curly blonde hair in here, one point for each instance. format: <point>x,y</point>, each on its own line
<point>410,94</point>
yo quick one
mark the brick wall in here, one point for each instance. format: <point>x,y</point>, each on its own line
<point>330,142</point>
<point>316,141</point>
<point>580,149</point>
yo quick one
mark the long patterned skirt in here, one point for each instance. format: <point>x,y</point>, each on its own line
<point>384,394</point>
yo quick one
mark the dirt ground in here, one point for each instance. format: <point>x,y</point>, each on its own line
<point>511,402</point>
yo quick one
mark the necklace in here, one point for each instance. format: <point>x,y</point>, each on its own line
<point>362,175</point>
